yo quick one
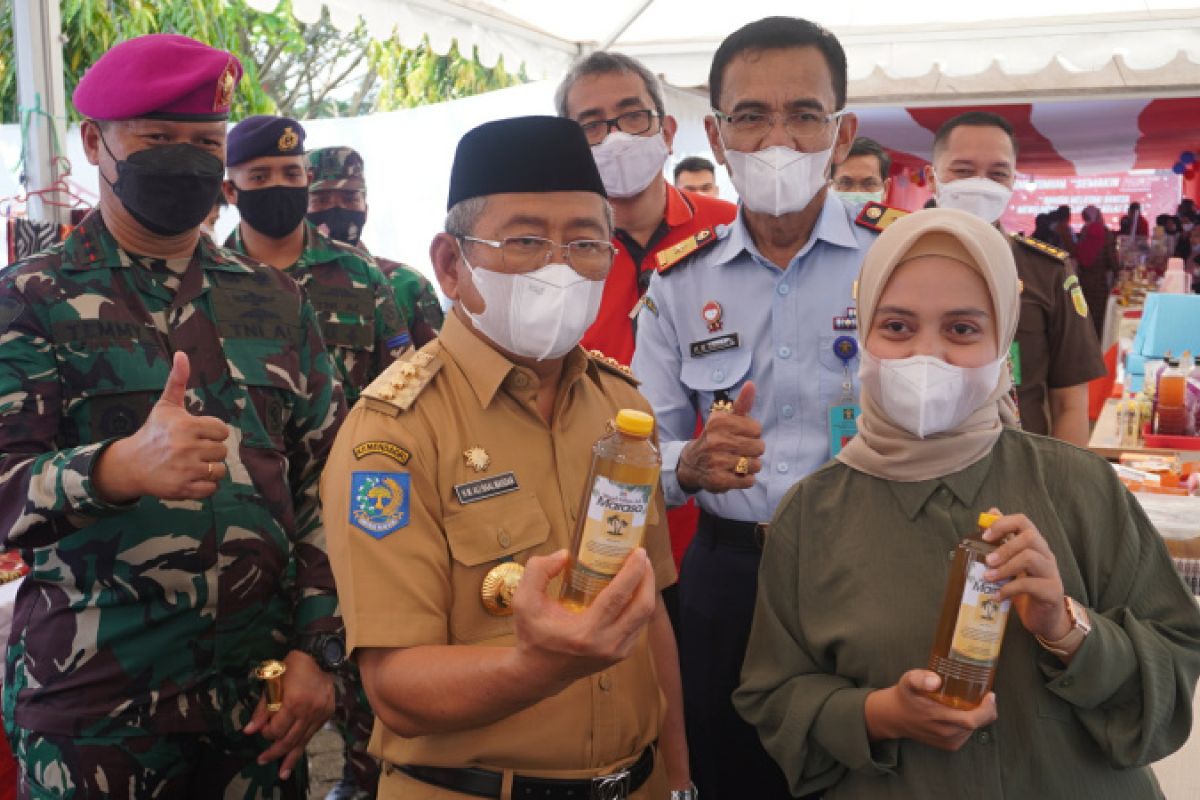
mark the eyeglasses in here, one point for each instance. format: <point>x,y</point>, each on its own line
<point>591,258</point>
<point>848,184</point>
<point>800,125</point>
<point>631,122</point>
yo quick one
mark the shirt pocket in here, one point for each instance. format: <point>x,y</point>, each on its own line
<point>109,389</point>
<point>498,530</point>
<point>266,375</point>
<point>706,375</point>
<point>833,370</point>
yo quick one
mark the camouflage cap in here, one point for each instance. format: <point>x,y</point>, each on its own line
<point>336,168</point>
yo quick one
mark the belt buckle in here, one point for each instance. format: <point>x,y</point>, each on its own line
<point>614,786</point>
<point>760,534</point>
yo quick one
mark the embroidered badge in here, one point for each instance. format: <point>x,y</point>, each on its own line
<point>379,502</point>
<point>386,449</point>
<point>488,487</point>
<point>288,141</point>
<point>716,344</point>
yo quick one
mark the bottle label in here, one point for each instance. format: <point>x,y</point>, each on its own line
<point>615,524</point>
<point>981,619</point>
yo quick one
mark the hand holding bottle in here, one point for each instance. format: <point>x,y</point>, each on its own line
<point>1034,584</point>
<point>904,711</point>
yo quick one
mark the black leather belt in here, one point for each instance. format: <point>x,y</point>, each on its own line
<point>732,532</point>
<point>477,782</point>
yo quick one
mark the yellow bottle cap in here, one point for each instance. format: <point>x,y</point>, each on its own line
<point>634,422</point>
<point>987,520</point>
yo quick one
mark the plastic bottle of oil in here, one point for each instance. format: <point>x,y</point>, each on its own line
<point>971,630</point>
<point>619,492</point>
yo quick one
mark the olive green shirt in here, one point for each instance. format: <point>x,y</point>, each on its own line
<point>849,595</point>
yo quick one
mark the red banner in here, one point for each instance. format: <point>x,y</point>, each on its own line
<point>1157,190</point>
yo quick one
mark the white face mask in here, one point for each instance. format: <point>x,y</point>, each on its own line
<point>778,180</point>
<point>862,198</point>
<point>540,314</point>
<point>982,197</point>
<point>925,395</point>
<point>629,163</point>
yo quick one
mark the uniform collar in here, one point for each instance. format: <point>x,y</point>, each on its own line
<point>833,227</point>
<point>90,245</point>
<point>487,370</point>
<point>318,248</point>
<point>679,210</point>
<point>964,484</point>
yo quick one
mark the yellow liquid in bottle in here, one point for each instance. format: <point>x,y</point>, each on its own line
<point>966,645</point>
<point>619,493</point>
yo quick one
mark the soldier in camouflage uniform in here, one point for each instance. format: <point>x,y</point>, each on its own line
<point>337,205</point>
<point>165,410</point>
<point>268,182</point>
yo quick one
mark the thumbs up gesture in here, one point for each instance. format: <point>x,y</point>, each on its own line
<point>173,456</point>
<point>726,455</point>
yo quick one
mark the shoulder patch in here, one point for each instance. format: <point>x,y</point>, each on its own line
<point>677,252</point>
<point>379,502</point>
<point>610,364</point>
<point>877,216</point>
<point>1041,247</point>
<point>403,380</point>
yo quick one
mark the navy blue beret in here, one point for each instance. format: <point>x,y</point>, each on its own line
<point>258,136</point>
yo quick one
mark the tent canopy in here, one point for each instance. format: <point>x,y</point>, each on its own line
<point>925,52</point>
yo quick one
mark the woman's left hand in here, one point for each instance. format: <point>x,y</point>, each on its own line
<point>1034,584</point>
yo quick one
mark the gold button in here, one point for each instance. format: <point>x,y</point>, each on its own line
<point>605,682</point>
<point>520,381</point>
<point>503,538</point>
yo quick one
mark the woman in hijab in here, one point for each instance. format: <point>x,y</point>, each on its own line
<point>1101,654</point>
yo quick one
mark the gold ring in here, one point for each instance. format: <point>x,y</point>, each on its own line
<point>743,466</point>
<point>210,470</point>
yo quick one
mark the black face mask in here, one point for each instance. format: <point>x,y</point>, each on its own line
<point>168,189</point>
<point>344,224</point>
<point>274,211</point>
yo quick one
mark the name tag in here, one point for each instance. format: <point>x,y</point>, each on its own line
<point>475,491</point>
<point>727,341</point>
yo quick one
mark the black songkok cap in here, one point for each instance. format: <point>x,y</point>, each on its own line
<point>523,154</point>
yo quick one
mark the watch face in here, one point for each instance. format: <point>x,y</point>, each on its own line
<point>333,652</point>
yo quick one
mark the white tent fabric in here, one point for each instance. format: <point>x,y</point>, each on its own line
<point>925,51</point>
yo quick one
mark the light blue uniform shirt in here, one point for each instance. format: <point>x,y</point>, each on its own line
<point>784,323</point>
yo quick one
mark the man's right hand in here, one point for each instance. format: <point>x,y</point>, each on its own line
<point>561,646</point>
<point>173,456</point>
<point>709,461</point>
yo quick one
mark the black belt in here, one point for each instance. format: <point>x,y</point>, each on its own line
<point>732,532</point>
<point>487,783</point>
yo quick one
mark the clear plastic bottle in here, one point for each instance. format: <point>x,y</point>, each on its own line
<point>619,492</point>
<point>971,630</point>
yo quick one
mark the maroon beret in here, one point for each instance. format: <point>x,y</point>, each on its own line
<point>161,76</point>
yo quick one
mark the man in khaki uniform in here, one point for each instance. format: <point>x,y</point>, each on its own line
<point>466,461</point>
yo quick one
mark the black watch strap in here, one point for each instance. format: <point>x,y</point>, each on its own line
<point>327,649</point>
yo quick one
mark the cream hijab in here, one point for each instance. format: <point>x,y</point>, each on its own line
<point>884,449</point>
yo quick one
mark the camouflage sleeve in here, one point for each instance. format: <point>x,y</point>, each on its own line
<point>318,412</point>
<point>418,303</point>
<point>392,336</point>
<point>46,493</point>
<point>428,310</point>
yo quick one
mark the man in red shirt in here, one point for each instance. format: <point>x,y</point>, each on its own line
<point>619,104</point>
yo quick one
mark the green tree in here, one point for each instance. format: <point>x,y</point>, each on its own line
<point>299,69</point>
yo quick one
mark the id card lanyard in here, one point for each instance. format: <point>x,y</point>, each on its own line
<point>843,414</point>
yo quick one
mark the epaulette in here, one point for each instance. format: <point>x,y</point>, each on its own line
<point>610,364</point>
<point>400,383</point>
<point>1040,246</point>
<point>679,251</point>
<point>877,216</point>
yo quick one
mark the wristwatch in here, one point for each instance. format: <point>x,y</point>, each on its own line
<point>327,649</point>
<point>1081,626</point>
<point>690,793</point>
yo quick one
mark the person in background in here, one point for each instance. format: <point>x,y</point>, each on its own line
<point>1134,223</point>
<point>1101,652</point>
<point>698,175</point>
<point>337,206</point>
<point>168,405</point>
<point>1097,263</point>
<point>745,332</point>
<point>465,463</point>
<point>1043,229</point>
<point>863,177</point>
<point>268,182</point>
<point>1055,352</point>
<point>1060,219</point>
